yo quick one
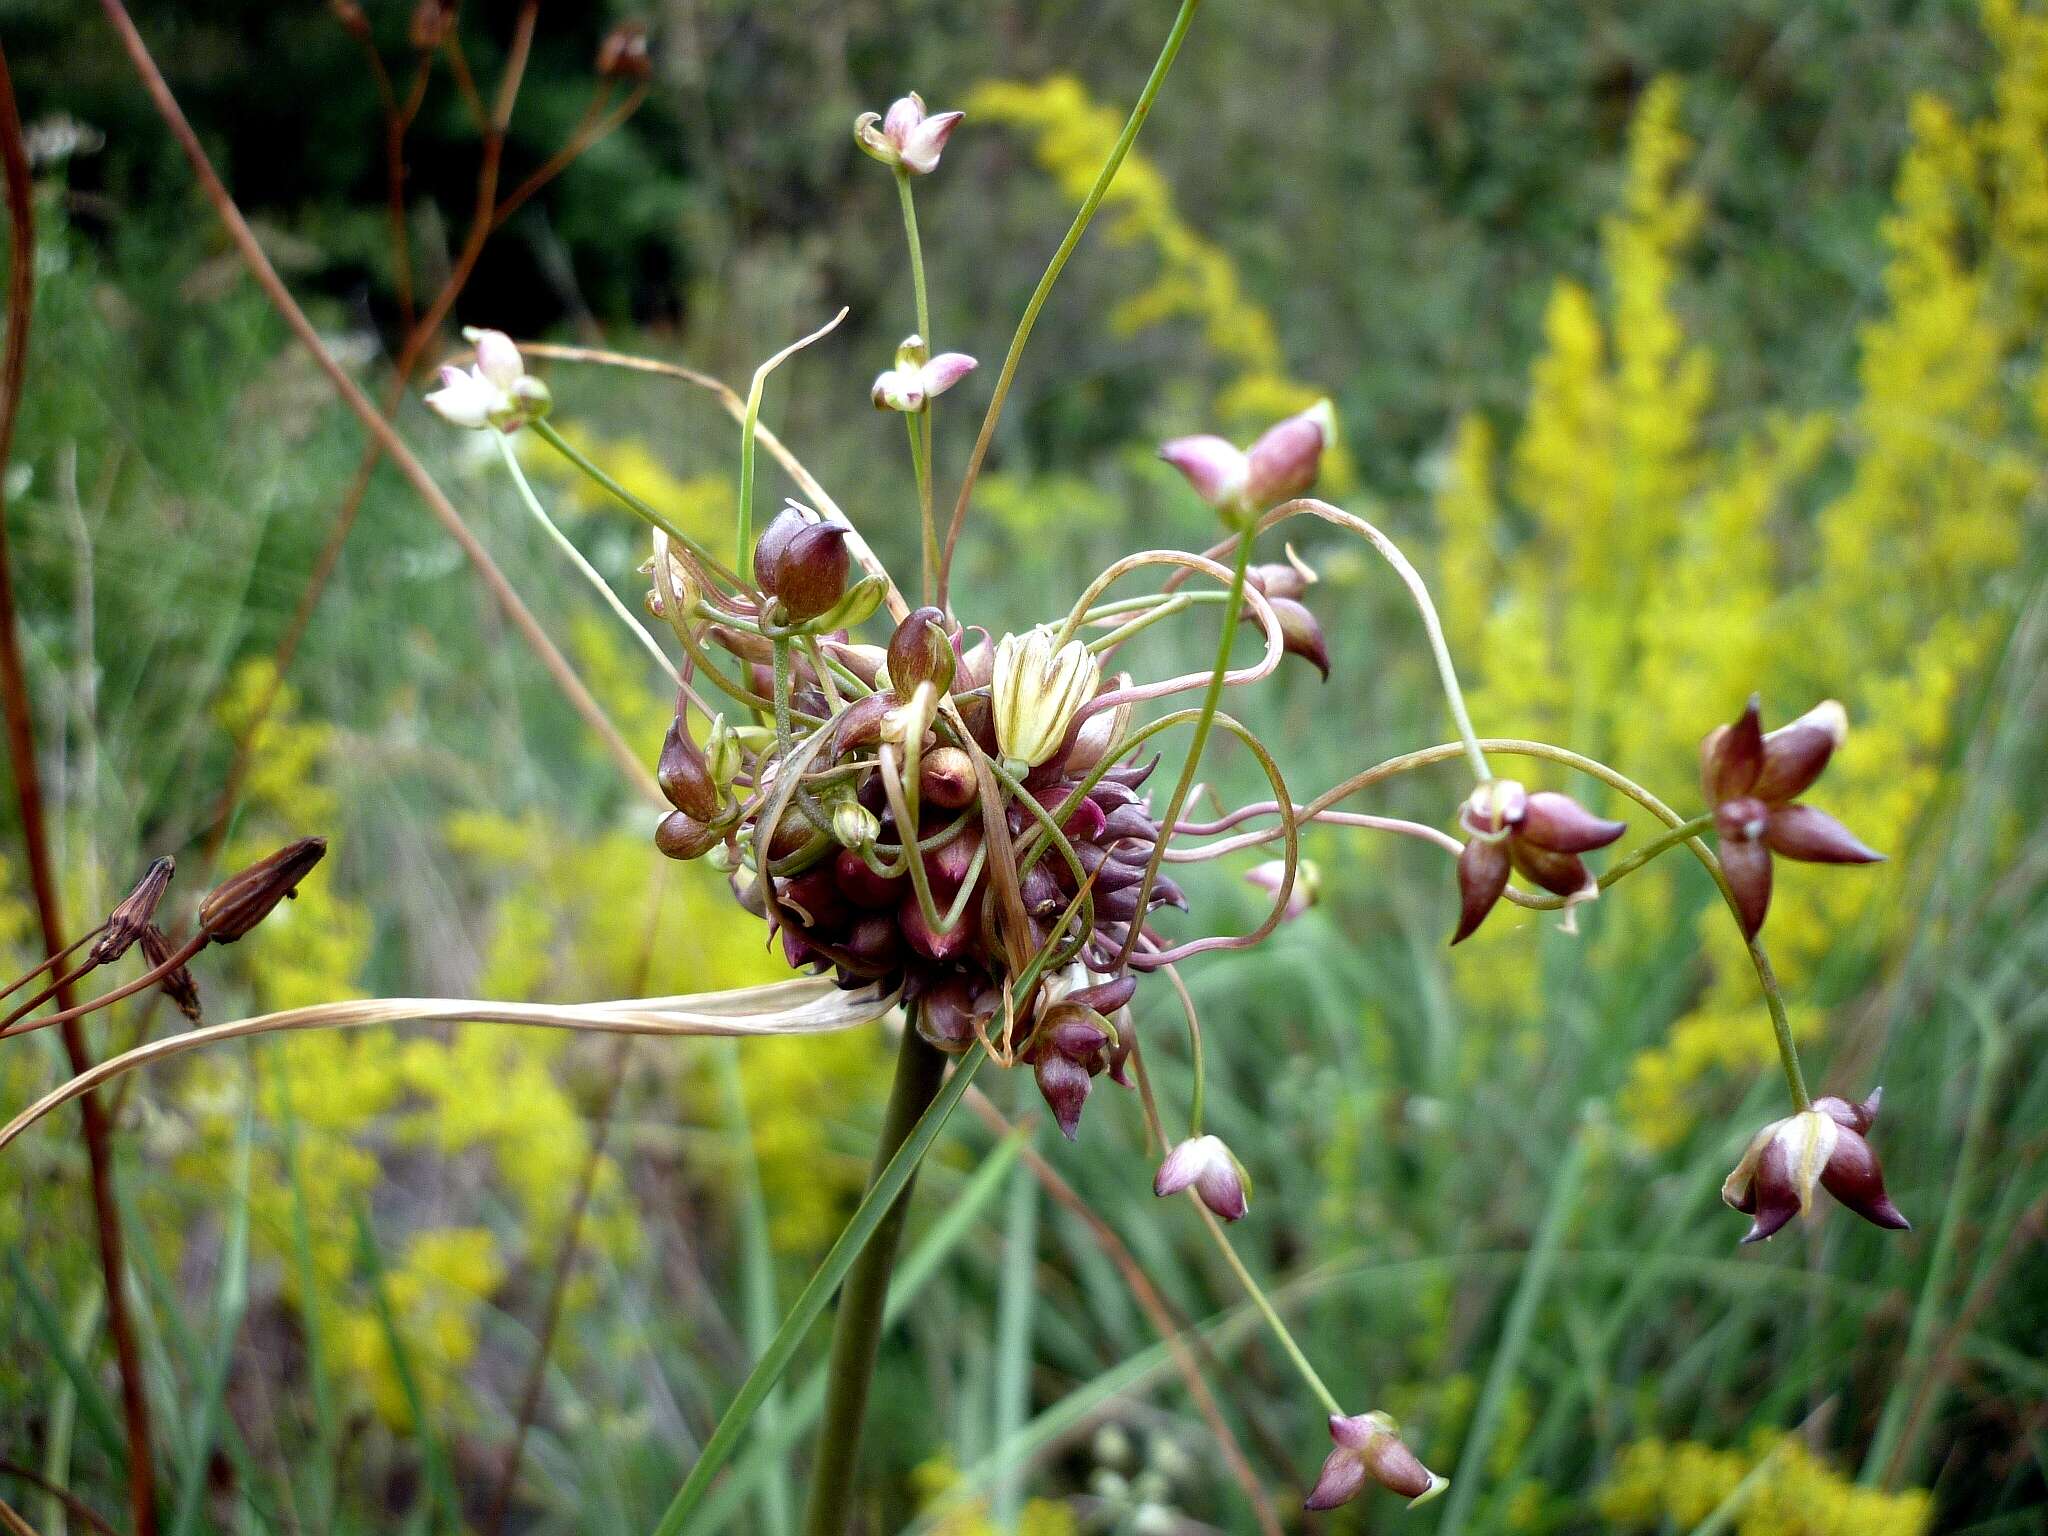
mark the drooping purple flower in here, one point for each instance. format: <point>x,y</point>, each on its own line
<point>1752,779</point>
<point>1542,835</point>
<point>1824,1145</point>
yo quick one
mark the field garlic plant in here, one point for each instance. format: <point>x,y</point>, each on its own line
<point>973,830</point>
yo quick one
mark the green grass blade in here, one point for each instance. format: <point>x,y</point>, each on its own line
<point>49,1328</point>
<point>757,1280</point>
<point>816,1295</point>
<point>1017,1296</point>
<point>440,1490</point>
<point>231,1299</point>
<point>917,1269</point>
<point>1536,1273</point>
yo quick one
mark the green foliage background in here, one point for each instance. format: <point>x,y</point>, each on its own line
<point>1788,435</point>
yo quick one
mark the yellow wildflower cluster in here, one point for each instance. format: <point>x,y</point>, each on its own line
<point>934,1482</point>
<point>1660,1484</point>
<point>1635,579</point>
<point>1197,281</point>
<point>489,1102</point>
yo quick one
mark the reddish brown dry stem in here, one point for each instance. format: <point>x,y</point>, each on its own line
<point>359,404</point>
<point>42,869</point>
<point>488,216</point>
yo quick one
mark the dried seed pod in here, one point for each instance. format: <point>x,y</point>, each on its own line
<point>243,900</point>
<point>622,55</point>
<point>177,983</point>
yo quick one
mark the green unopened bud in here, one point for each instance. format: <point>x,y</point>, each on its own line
<point>854,825</point>
<point>722,752</point>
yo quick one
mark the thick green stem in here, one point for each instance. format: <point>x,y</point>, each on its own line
<point>857,1327</point>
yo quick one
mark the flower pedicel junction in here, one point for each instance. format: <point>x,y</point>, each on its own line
<point>973,831</point>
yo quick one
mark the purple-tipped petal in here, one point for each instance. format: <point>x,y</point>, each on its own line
<point>1301,633</point>
<point>1286,459</point>
<point>1801,832</point>
<point>1205,1165</point>
<point>1560,823</point>
<point>773,542</point>
<point>1561,874</point>
<point>946,370</point>
<point>927,141</point>
<point>1732,756</point>
<point>1341,1481</point>
<point>904,114</point>
<point>1106,996</point>
<point>1795,754</point>
<point>1748,868</point>
<point>1217,469</point>
<point>1854,1177</point>
<point>1773,1197</point>
<point>1482,876</point>
<point>1855,1117</point>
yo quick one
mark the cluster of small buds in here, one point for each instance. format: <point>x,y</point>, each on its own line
<point>1542,835</point>
<point>1822,1145</point>
<point>892,732</point>
<point>918,377</point>
<point>1752,780</point>
<point>495,391</point>
<point>906,137</point>
<point>1369,1448</point>
<point>1240,483</point>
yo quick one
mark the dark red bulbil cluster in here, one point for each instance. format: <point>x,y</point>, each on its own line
<point>826,866</point>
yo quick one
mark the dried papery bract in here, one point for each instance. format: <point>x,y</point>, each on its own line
<point>245,898</point>
<point>135,914</point>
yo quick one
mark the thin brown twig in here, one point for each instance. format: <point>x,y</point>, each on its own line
<point>488,216</point>
<point>28,791</point>
<point>12,1519</point>
<point>1172,1332</point>
<point>71,1501</point>
<point>359,404</point>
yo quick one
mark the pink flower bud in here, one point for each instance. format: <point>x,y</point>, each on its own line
<point>1307,887</point>
<point>907,136</point>
<point>1206,1165</point>
<point>1369,1446</point>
